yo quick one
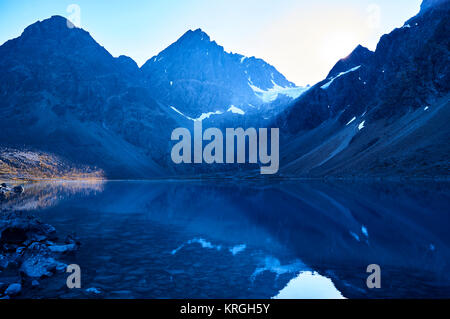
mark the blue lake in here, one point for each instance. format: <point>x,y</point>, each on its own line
<point>235,239</point>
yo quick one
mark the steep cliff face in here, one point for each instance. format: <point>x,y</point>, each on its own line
<point>399,91</point>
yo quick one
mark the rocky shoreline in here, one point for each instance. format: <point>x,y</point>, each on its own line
<point>30,250</point>
<point>9,191</point>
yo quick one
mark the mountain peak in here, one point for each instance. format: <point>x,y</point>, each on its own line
<point>360,48</point>
<point>55,26</point>
<point>56,36</point>
<point>55,21</point>
<point>198,31</point>
<point>360,55</point>
<point>196,35</point>
<point>358,52</point>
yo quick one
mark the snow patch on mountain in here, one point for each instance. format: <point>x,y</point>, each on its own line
<point>327,85</point>
<point>361,125</point>
<point>235,110</point>
<point>237,249</point>
<point>354,118</point>
<point>364,231</point>
<point>179,112</point>
<point>271,94</point>
<point>202,242</point>
<point>202,117</point>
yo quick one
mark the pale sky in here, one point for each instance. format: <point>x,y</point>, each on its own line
<point>302,39</point>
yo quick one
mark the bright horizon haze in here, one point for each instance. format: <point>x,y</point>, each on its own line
<point>303,40</point>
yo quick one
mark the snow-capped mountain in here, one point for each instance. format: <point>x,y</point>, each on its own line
<point>62,92</point>
<point>197,77</point>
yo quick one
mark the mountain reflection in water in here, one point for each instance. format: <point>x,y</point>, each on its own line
<point>41,195</point>
<point>167,239</point>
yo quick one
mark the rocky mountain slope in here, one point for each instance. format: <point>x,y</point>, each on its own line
<point>378,114</point>
<point>62,92</point>
<point>31,165</point>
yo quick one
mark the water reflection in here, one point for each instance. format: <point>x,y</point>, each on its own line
<point>257,240</point>
<point>309,285</point>
<point>41,195</point>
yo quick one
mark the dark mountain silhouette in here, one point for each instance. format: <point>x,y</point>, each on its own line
<point>359,56</point>
<point>384,117</point>
<point>430,4</point>
<point>62,92</point>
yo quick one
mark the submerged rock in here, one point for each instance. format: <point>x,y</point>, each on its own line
<point>18,189</point>
<point>13,289</point>
<point>41,266</point>
<point>93,290</point>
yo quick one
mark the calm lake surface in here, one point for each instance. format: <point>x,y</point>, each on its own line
<point>180,239</point>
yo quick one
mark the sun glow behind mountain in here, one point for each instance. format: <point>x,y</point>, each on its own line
<point>321,33</point>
